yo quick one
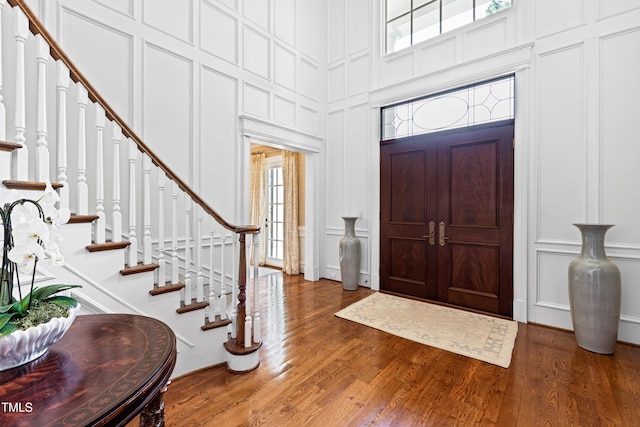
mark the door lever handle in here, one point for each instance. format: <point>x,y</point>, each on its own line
<point>432,233</point>
<point>441,232</point>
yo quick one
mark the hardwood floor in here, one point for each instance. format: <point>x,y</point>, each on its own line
<point>319,370</point>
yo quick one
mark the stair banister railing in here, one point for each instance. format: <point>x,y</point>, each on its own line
<point>26,21</point>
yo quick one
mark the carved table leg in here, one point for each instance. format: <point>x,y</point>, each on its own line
<point>152,415</point>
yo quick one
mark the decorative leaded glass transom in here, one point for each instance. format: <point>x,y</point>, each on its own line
<point>469,106</point>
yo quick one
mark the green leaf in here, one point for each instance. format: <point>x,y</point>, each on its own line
<point>7,329</point>
<point>4,320</point>
<point>5,308</point>
<point>63,301</point>
<point>17,307</point>
<point>41,294</point>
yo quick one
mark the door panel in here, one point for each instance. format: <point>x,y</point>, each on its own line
<point>463,182</point>
<point>408,192</point>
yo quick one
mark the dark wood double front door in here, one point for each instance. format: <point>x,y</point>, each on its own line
<point>446,221</point>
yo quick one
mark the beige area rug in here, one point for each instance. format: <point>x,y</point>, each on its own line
<point>485,338</point>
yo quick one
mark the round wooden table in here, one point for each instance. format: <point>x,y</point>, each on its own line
<point>104,371</point>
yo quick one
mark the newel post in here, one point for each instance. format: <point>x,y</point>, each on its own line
<point>242,351</point>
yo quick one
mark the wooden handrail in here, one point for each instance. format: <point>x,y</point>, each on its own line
<point>36,27</point>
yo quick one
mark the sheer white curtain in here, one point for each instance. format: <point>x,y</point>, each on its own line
<point>258,210</point>
<point>291,261</point>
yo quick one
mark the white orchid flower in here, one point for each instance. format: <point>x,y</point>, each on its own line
<point>50,196</point>
<point>25,256</point>
<point>34,230</point>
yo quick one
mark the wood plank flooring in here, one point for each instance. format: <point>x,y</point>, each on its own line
<point>319,370</point>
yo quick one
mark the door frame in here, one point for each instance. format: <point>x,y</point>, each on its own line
<point>515,62</point>
<point>261,132</point>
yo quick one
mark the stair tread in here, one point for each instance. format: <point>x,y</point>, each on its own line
<point>29,185</point>
<point>9,146</point>
<point>107,246</point>
<point>168,287</point>
<point>140,268</point>
<point>192,307</point>
<point>217,323</point>
<point>81,219</point>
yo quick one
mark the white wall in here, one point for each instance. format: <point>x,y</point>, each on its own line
<point>181,73</point>
<point>576,65</point>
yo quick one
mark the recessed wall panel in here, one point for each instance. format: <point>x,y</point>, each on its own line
<point>553,287</point>
<point>309,120</point>
<point>619,143</point>
<point>336,30</point>
<point>486,39</point>
<point>334,172</point>
<point>358,170</point>
<point>552,16</point>
<point>311,30</point>
<point>399,68</point>
<point>444,51</point>
<point>336,89</point>
<point>309,78</point>
<point>257,11</point>
<point>358,12</point>
<point>104,55</point>
<point>562,147</point>
<point>359,75</point>
<point>215,26</point>
<point>256,56</point>
<point>285,21</point>
<point>609,8</point>
<point>171,17</point>
<point>168,108</point>
<point>123,6</point>
<point>284,111</point>
<point>218,134</point>
<point>285,67</point>
<point>255,101</point>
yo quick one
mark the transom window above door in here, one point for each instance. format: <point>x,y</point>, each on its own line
<point>409,22</point>
<point>489,101</point>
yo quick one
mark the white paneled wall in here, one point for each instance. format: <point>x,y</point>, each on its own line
<point>315,67</point>
<point>576,65</point>
<point>182,73</point>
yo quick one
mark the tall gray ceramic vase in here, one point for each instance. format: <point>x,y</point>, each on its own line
<point>594,292</point>
<point>350,255</point>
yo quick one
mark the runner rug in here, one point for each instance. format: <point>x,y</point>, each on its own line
<point>485,338</point>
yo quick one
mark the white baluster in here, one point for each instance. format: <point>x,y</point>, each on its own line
<point>3,111</point>
<point>42,150</point>
<point>212,271</point>
<point>256,313</point>
<point>162,268</point>
<point>175,268</point>
<point>82,192</point>
<point>224,314</point>
<point>146,210</point>
<point>63,87</point>
<point>100,223</point>
<point>116,222</point>
<point>199,275</point>
<point>188,286</point>
<point>133,238</point>
<point>20,160</point>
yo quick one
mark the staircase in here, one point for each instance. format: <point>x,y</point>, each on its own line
<point>140,240</point>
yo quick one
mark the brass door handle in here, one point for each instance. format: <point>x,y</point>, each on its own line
<point>432,233</point>
<point>441,231</point>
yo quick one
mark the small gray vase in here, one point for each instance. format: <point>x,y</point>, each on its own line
<point>595,292</point>
<point>349,255</point>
